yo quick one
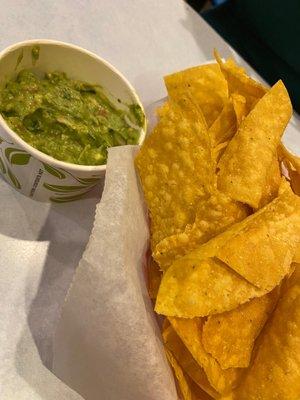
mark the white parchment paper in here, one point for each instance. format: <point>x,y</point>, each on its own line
<point>108,345</point>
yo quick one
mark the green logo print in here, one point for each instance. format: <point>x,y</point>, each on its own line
<point>2,166</point>
<point>13,179</point>
<point>13,156</point>
<point>16,156</point>
<point>54,171</point>
<point>68,192</point>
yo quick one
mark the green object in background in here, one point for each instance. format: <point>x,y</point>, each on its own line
<point>70,120</point>
<point>267,35</point>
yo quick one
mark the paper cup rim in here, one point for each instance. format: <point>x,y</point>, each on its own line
<point>39,154</point>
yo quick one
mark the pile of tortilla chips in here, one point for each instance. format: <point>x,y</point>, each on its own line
<point>222,193</point>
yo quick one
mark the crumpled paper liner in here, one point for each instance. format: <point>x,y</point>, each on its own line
<point>108,345</point>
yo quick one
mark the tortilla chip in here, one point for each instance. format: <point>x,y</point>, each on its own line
<point>244,165</point>
<point>213,216</point>
<point>198,393</point>
<point>272,184</point>
<point>205,84</point>
<point>284,186</point>
<point>292,163</point>
<point>154,278</point>
<point>239,106</point>
<point>188,389</point>
<point>175,345</point>
<point>190,332</point>
<point>224,126</point>
<point>275,371</point>
<point>229,337</point>
<point>163,111</point>
<point>295,182</point>
<point>197,287</point>
<point>175,168</point>
<point>292,158</point>
<point>183,380</point>
<point>218,151</point>
<point>260,249</point>
<point>296,259</point>
<point>239,82</point>
<point>297,255</point>
<point>263,249</point>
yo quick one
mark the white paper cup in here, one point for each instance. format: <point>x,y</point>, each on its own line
<point>27,169</point>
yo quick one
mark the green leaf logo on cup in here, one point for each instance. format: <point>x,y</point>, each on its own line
<point>32,172</point>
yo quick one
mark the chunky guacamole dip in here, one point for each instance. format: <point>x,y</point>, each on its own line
<point>70,120</point>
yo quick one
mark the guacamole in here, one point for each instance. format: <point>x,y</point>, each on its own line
<point>70,120</point>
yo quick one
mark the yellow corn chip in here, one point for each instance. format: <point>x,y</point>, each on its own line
<point>297,255</point>
<point>292,163</point>
<point>275,371</point>
<point>218,151</point>
<point>229,337</point>
<point>190,332</point>
<point>175,345</point>
<point>284,186</point>
<point>163,111</point>
<point>244,165</point>
<point>239,82</point>
<point>154,278</point>
<point>199,394</point>
<point>272,184</point>
<point>260,248</point>
<point>183,380</point>
<point>263,249</point>
<point>213,216</point>
<point>293,159</point>
<point>239,106</point>
<point>295,181</point>
<point>224,126</point>
<point>196,287</point>
<point>188,389</point>
<point>175,168</point>
<point>205,84</point>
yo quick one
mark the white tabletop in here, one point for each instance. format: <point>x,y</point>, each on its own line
<point>41,244</point>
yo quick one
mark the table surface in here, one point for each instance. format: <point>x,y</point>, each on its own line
<point>41,244</point>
